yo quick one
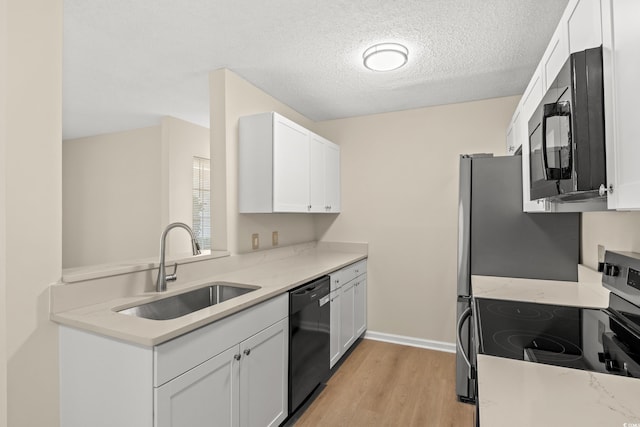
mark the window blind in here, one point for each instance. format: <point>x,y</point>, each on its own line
<point>201,201</point>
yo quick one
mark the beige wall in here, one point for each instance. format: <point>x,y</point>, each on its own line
<point>400,194</point>
<point>3,265</point>
<point>32,208</point>
<point>121,189</point>
<point>112,191</point>
<point>615,230</point>
<point>231,98</point>
<point>181,141</point>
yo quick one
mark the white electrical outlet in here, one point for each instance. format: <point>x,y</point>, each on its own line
<point>255,241</point>
<point>274,238</point>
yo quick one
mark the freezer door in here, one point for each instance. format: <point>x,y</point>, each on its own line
<point>465,354</point>
<point>464,227</point>
<point>509,243</point>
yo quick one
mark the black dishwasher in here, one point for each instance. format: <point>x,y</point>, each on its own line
<point>308,339</point>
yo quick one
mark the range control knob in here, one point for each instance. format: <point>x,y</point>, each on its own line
<point>611,270</point>
<point>611,365</point>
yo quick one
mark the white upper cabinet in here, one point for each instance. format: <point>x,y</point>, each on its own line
<point>530,100</point>
<point>317,185</point>
<point>532,95</point>
<point>290,169</point>
<point>512,143</point>
<point>284,167</point>
<point>584,25</point>
<point>579,29</point>
<point>324,175</point>
<point>621,60</point>
<point>555,56</point>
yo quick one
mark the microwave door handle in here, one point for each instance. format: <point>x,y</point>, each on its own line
<point>548,111</point>
<point>561,108</point>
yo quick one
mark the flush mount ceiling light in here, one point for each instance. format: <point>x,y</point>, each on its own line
<point>385,57</point>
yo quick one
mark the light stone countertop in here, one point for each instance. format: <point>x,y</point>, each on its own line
<point>585,293</point>
<point>518,393</point>
<point>524,394</point>
<point>273,277</point>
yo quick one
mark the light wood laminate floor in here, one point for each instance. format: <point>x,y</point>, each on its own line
<point>382,384</point>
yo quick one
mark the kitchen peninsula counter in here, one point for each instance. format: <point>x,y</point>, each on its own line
<point>274,277</point>
<point>518,393</point>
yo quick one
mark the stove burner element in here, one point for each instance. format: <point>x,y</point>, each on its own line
<point>520,311</point>
<point>556,349</point>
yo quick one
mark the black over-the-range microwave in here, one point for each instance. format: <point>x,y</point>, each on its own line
<point>567,135</point>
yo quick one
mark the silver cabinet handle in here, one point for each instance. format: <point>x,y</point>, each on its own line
<point>461,321</point>
<point>237,356</point>
<point>247,352</point>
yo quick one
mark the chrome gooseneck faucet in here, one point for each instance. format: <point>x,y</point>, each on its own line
<point>163,277</point>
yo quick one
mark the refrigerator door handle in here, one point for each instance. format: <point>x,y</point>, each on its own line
<point>466,314</point>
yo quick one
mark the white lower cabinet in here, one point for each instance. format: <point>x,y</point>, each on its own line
<point>245,385</point>
<point>347,320</point>
<point>334,343</point>
<point>360,306</point>
<point>264,377</point>
<point>348,308</point>
<point>205,396</point>
<point>233,372</point>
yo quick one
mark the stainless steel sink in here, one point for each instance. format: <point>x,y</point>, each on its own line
<point>182,304</point>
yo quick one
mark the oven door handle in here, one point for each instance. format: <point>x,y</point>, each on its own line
<point>466,314</point>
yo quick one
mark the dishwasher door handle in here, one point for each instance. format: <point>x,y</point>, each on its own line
<point>322,301</point>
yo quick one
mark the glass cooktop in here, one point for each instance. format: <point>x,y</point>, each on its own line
<point>573,337</point>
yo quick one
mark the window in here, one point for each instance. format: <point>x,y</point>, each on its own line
<point>201,201</point>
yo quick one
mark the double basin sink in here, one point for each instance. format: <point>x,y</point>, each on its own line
<point>188,302</point>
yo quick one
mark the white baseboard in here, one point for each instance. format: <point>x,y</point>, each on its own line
<point>410,341</point>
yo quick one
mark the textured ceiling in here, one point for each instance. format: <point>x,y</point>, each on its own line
<point>128,63</point>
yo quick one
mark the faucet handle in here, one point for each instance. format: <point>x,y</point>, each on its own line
<point>173,276</point>
<point>195,247</point>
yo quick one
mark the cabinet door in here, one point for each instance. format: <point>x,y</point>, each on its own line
<point>332,177</point>
<point>511,139</point>
<point>290,166</point>
<point>584,25</point>
<point>264,376</point>
<point>360,306</point>
<point>205,396</point>
<point>532,95</point>
<point>335,349</point>
<point>317,185</point>
<point>347,320</point>
<point>556,55</point>
<point>522,134</point>
<point>621,44</point>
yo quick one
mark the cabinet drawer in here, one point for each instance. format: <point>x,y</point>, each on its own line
<point>347,274</point>
<point>183,353</point>
<point>360,268</point>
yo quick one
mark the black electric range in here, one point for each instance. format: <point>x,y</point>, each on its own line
<point>600,340</point>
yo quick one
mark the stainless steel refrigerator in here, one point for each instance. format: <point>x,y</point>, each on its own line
<point>495,238</point>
